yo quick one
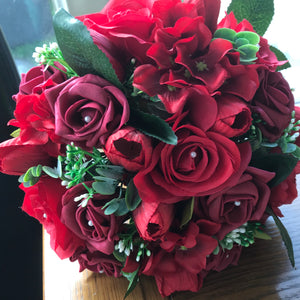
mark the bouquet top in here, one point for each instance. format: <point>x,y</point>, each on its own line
<point>153,139</point>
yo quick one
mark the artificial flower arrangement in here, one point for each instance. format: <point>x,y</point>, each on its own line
<point>154,140</point>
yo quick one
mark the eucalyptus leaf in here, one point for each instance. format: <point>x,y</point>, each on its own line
<point>122,209</point>
<point>79,50</point>
<point>153,126</point>
<point>115,172</point>
<point>285,236</point>
<point>104,188</point>
<point>132,197</point>
<point>258,12</point>
<point>111,208</point>
<point>225,33</point>
<point>120,256</point>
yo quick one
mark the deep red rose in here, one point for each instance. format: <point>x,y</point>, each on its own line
<point>129,148</point>
<point>153,220</point>
<point>223,259</point>
<point>234,116</point>
<point>283,193</point>
<point>97,262</point>
<point>42,201</point>
<point>246,201</point>
<point>180,269</point>
<point>273,104</point>
<point>39,78</point>
<point>89,223</point>
<point>17,157</point>
<point>87,110</point>
<point>200,164</point>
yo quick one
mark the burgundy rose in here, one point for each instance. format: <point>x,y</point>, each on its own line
<point>200,164</point>
<point>273,104</point>
<point>246,201</point>
<point>97,262</point>
<point>297,142</point>
<point>42,201</point>
<point>87,110</point>
<point>234,116</point>
<point>283,193</point>
<point>153,220</point>
<point>39,78</point>
<point>89,223</point>
<point>129,148</point>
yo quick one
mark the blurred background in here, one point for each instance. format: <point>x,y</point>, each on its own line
<point>26,24</point>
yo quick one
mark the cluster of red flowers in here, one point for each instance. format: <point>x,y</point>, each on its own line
<point>214,97</point>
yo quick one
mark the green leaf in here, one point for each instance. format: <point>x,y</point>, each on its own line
<point>79,50</point>
<point>52,172</point>
<point>132,197</point>
<point>122,209</point>
<point>296,153</point>
<point>115,172</point>
<point>250,36</point>
<point>15,133</point>
<point>281,164</point>
<point>153,126</point>
<point>104,187</point>
<point>261,235</point>
<point>37,171</point>
<point>119,256</point>
<point>112,207</point>
<point>187,211</point>
<point>225,33</point>
<point>258,12</point>
<point>285,236</point>
<point>133,280</point>
<point>281,57</point>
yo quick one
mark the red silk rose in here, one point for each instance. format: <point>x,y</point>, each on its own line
<point>42,202</point>
<point>17,157</point>
<point>153,220</point>
<point>283,193</point>
<point>246,201</point>
<point>200,164</point>
<point>181,269</point>
<point>87,110</point>
<point>97,262</point>
<point>129,148</point>
<point>273,103</point>
<point>129,27</point>
<point>234,116</point>
<point>89,223</point>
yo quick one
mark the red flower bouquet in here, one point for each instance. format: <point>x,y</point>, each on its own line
<point>156,140</point>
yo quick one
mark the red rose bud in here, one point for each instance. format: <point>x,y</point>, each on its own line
<point>129,148</point>
<point>153,220</point>
<point>234,117</point>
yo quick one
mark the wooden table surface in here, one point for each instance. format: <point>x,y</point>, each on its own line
<point>264,273</point>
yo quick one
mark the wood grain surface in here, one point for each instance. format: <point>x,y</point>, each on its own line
<point>264,273</point>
